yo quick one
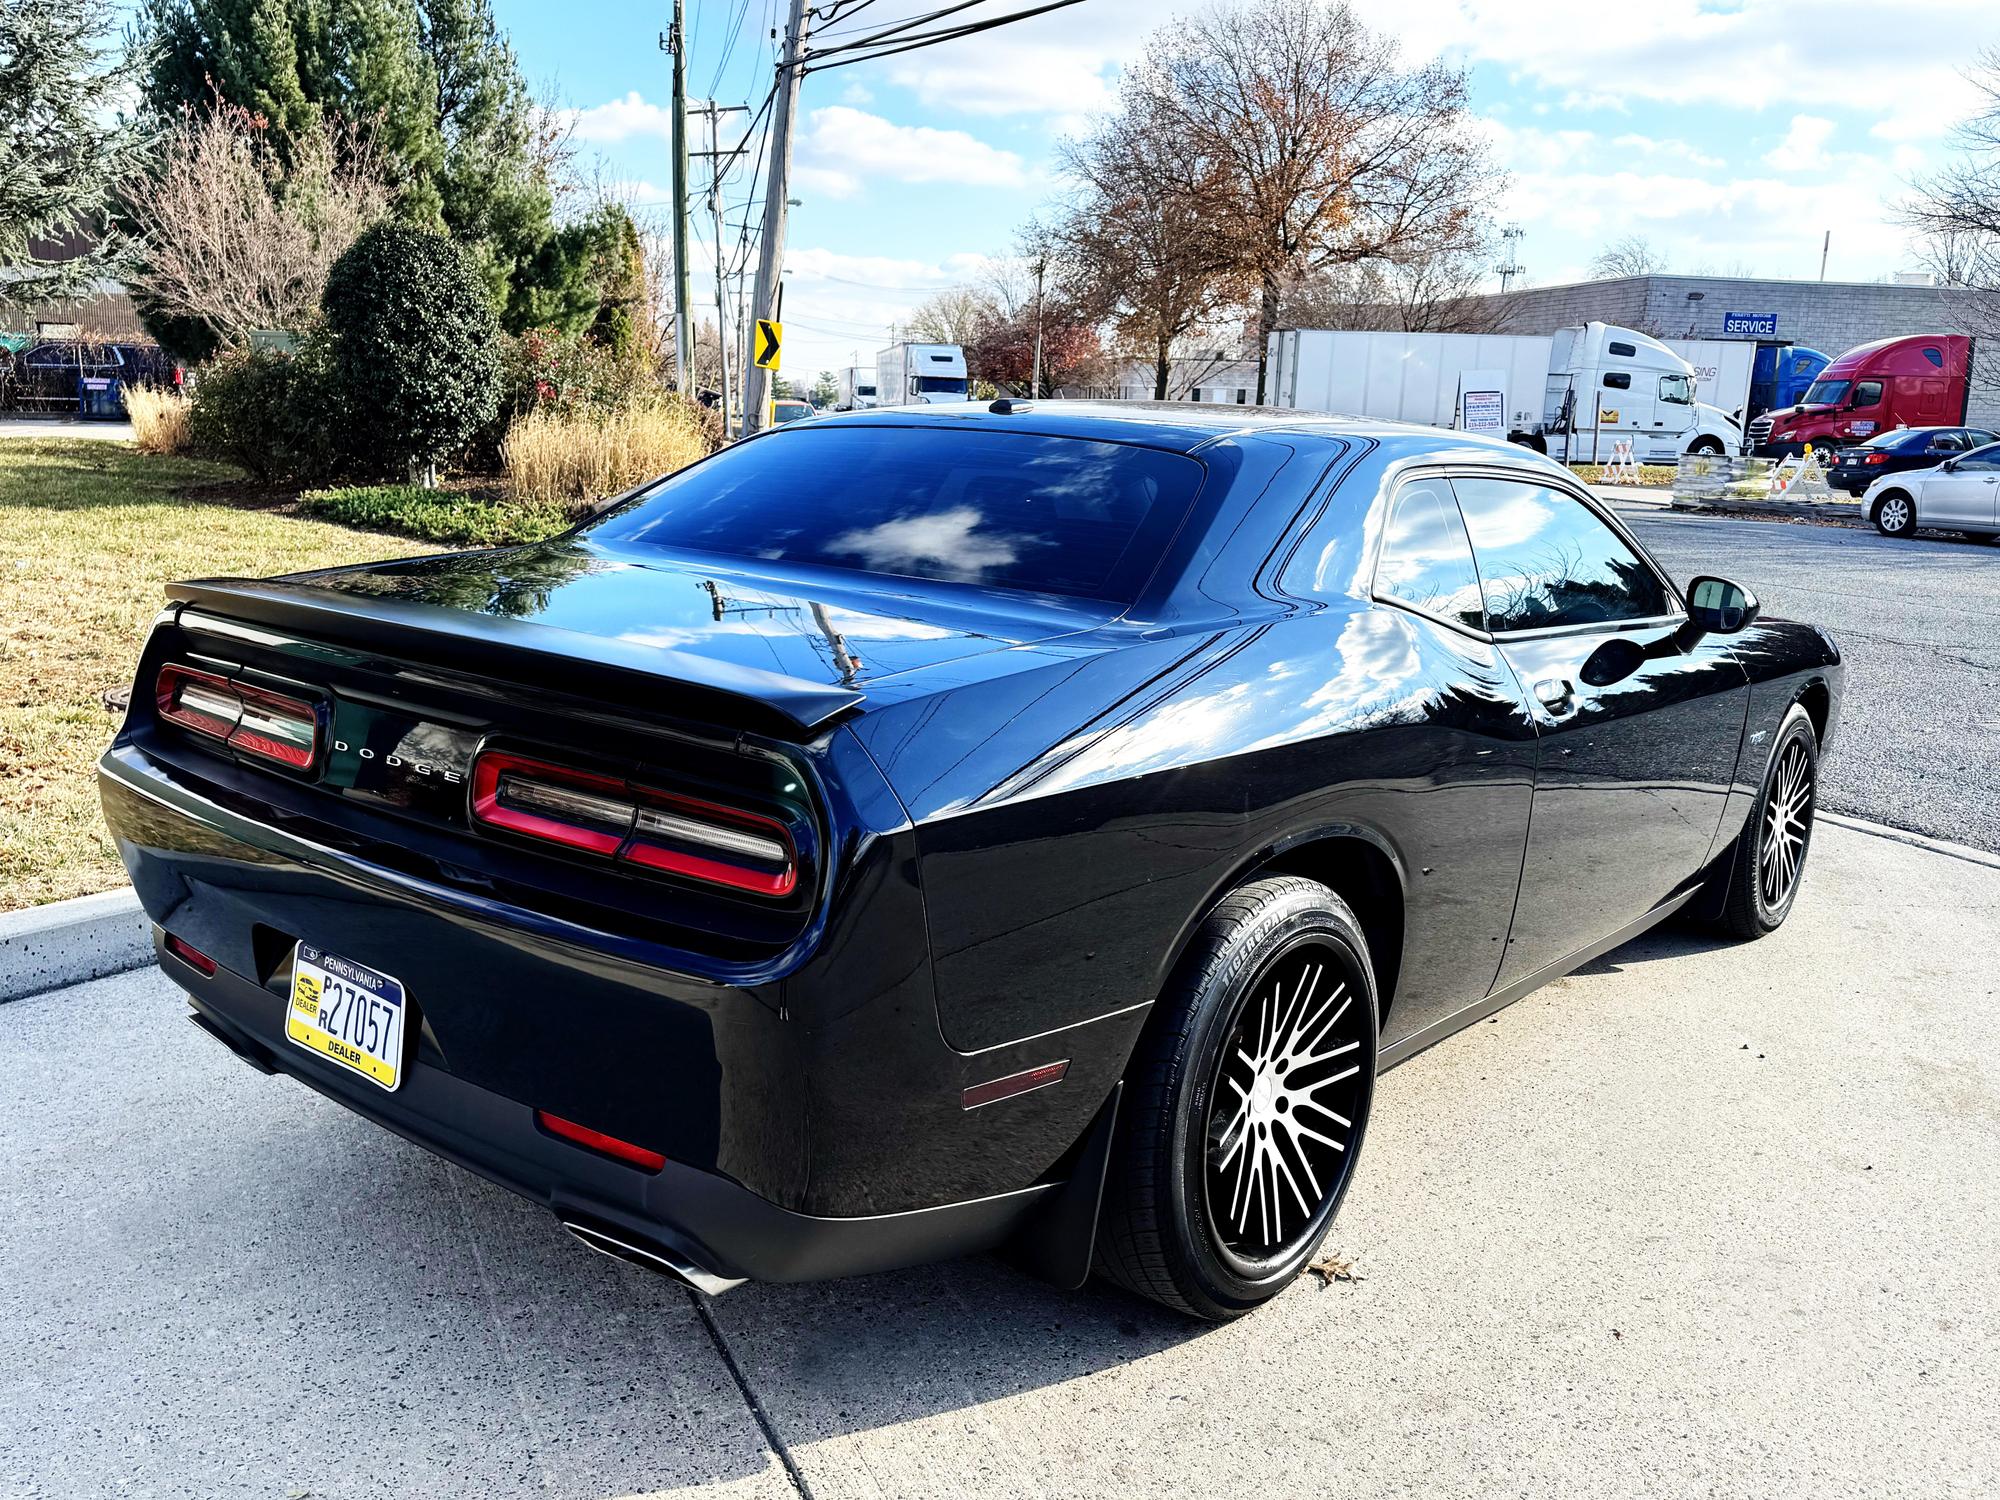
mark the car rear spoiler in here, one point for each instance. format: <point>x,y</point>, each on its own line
<point>500,646</point>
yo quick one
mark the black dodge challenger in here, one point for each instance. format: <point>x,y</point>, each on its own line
<point>917,832</point>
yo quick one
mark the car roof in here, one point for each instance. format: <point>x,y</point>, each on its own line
<point>1182,426</point>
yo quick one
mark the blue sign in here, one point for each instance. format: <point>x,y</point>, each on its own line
<point>1750,325</point>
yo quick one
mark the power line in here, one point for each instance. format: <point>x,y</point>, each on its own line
<point>843,57</point>
<point>897,27</point>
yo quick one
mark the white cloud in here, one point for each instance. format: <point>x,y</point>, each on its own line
<point>857,93</point>
<point>1666,148</point>
<point>621,119</point>
<point>1011,75</point>
<point>1804,147</point>
<point>841,147</point>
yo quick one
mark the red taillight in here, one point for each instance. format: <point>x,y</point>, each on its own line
<point>1875,458</point>
<point>635,824</point>
<point>596,1140</point>
<point>192,956</point>
<point>254,720</point>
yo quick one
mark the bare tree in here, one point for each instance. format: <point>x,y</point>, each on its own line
<point>240,240</point>
<point>953,316</point>
<point>1634,255</point>
<point>1141,244</point>
<point>1955,212</point>
<point>1327,149</point>
<point>1436,293</point>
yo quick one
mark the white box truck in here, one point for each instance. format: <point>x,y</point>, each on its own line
<point>921,375</point>
<point>857,390</point>
<point>1574,394</point>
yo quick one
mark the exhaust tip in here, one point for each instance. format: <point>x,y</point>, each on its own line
<point>655,1258</point>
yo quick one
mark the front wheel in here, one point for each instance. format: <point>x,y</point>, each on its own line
<point>1249,1095</point>
<point>1771,853</point>
<point>1895,515</point>
<point>1711,447</point>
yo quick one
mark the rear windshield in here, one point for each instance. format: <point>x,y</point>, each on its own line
<point>1002,509</point>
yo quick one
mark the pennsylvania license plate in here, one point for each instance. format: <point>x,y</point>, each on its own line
<point>347,1012</point>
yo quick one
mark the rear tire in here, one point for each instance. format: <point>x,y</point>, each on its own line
<point>1248,1099</point>
<point>1771,851</point>
<point>1896,514</point>
<point>1708,445</point>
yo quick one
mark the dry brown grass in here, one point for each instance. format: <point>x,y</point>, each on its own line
<point>159,419</point>
<point>573,460</point>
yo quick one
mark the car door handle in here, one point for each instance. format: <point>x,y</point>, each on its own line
<point>1555,694</point>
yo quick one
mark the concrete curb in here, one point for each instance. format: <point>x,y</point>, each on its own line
<point>67,942</point>
<point>1829,514</point>
<point>1915,840</point>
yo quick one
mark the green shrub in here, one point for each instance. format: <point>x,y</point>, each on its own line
<point>275,415</point>
<point>413,348</point>
<point>435,515</point>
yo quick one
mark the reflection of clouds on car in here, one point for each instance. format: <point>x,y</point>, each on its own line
<point>943,544</point>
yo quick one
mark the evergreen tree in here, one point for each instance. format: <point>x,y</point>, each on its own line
<point>59,162</point>
<point>411,343</point>
<point>433,80</point>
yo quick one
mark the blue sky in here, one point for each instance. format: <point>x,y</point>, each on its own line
<point>1731,135</point>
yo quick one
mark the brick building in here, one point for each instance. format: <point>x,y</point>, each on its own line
<point>1830,316</point>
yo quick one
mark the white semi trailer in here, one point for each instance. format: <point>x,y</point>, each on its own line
<point>857,388</point>
<point>1575,394</point>
<point>920,375</point>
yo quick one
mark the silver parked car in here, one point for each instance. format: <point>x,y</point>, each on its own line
<point>1960,494</point>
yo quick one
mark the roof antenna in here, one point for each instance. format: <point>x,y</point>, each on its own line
<point>1006,407</point>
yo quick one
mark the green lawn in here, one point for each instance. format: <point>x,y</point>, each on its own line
<point>89,531</point>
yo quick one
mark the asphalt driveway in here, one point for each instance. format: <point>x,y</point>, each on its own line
<point>1704,1219</point>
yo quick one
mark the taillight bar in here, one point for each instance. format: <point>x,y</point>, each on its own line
<point>254,720</point>
<point>634,824</point>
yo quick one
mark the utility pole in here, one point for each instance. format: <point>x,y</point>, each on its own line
<point>716,172</point>
<point>675,43</point>
<point>1035,379</point>
<point>777,187</point>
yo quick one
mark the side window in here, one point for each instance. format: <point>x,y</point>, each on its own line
<point>1426,561</point>
<point>1867,393</point>
<point>1677,389</point>
<point>1545,559</point>
<point>1618,380</point>
<point>1984,459</point>
<point>1622,351</point>
<point>1935,356</point>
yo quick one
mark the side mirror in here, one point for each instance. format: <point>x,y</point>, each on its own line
<point>1948,465</point>
<point>1719,607</point>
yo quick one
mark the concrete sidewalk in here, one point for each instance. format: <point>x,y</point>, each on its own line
<point>1706,1219</point>
<point>14,426</point>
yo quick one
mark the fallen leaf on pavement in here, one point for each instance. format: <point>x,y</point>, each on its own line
<point>1332,1268</point>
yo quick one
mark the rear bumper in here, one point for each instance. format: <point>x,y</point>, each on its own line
<point>699,1219</point>
<point>812,1121</point>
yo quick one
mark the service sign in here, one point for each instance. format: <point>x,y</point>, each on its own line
<point>1763,325</point>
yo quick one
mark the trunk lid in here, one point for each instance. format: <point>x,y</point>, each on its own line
<point>795,652</point>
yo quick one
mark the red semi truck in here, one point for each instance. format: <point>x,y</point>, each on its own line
<point>1924,380</point>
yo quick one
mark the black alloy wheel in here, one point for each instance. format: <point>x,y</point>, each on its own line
<point>1248,1099</point>
<point>1771,853</point>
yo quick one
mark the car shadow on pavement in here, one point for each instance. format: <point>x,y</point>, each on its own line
<point>1669,940</point>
